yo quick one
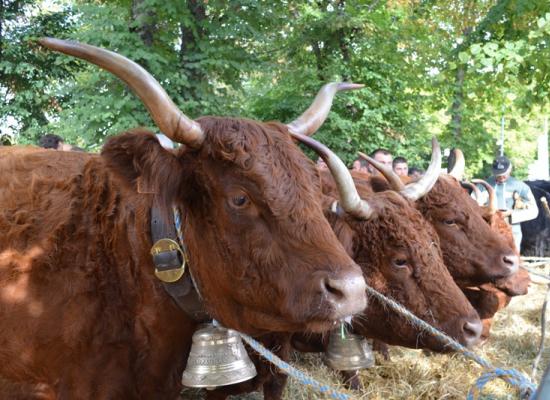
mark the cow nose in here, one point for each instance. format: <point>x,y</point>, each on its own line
<point>471,332</point>
<point>346,294</point>
<point>511,261</point>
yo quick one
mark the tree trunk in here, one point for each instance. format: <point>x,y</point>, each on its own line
<point>458,99</point>
<point>189,44</point>
<point>1,25</point>
<point>146,20</point>
<point>188,40</point>
<point>318,60</point>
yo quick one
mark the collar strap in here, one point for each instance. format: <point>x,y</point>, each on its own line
<point>170,259</point>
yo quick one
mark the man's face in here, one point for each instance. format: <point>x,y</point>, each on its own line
<point>502,178</point>
<point>416,175</point>
<point>321,164</point>
<point>401,169</point>
<point>64,146</point>
<point>385,159</point>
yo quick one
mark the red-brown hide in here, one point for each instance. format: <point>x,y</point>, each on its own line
<point>473,253</point>
<point>400,256</point>
<point>476,246</point>
<point>81,314</point>
<point>490,298</point>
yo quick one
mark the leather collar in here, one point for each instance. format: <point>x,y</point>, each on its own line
<point>183,291</point>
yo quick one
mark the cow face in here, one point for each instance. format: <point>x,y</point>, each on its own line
<point>262,254</point>
<point>261,251</point>
<point>399,254</point>
<point>516,284</point>
<point>498,224</point>
<point>473,253</point>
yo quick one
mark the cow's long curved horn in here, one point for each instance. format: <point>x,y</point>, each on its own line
<point>474,189</point>
<point>493,205</point>
<point>412,191</point>
<point>416,190</point>
<point>349,198</point>
<point>308,123</point>
<point>170,120</point>
<point>457,170</point>
<point>393,179</point>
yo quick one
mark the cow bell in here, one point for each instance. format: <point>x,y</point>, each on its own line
<point>348,352</point>
<point>217,358</point>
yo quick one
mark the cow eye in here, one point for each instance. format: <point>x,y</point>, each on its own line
<point>239,201</point>
<point>400,262</point>
<point>450,222</point>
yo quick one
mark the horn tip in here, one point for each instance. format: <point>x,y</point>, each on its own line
<point>44,41</point>
<point>50,42</point>
<point>350,86</point>
<point>363,155</point>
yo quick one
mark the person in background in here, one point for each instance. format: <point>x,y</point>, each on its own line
<point>514,197</point>
<point>400,166</point>
<point>321,164</point>
<point>51,141</point>
<point>383,156</point>
<point>5,140</point>
<point>415,173</point>
<point>360,164</point>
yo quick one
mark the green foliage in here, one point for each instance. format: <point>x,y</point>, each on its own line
<point>28,75</point>
<point>444,68</point>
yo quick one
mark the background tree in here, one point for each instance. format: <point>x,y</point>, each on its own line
<point>447,68</point>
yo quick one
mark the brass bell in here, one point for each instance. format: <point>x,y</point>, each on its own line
<point>348,351</point>
<point>217,358</point>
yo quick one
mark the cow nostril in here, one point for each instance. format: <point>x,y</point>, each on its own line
<point>334,288</point>
<point>469,329</point>
<point>344,295</point>
<point>512,262</point>
<point>472,331</point>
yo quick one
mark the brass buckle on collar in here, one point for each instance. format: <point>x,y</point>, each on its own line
<point>165,255</point>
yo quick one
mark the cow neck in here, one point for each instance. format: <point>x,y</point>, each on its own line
<point>183,291</point>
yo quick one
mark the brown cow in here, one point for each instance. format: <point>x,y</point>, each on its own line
<point>473,253</point>
<point>490,260</point>
<point>81,313</point>
<point>490,298</point>
<point>399,254</point>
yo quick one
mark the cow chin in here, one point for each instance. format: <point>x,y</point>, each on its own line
<point>258,323</point>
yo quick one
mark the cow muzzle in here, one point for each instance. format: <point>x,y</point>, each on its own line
<point>471,329</point>
<point>510,263</point>
<point>345,295</point>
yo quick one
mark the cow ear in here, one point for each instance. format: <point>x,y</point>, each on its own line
<point>327,202</point>
<point>345,234</point>
<point>140,161</point>
<point>379,184</point>
<point>339,224</point>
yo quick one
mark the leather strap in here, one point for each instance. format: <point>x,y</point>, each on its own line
<point>182,291</point>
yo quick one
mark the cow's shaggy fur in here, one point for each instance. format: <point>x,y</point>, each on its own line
<point>81,314</point>
<point>490,298</point>
<point>423,284</point>
<point>473,253</point>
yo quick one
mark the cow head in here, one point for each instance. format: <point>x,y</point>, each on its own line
<point>399,254</point>
<point>516,284</point>
<point>473,253</point>
<point>261,252</point>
